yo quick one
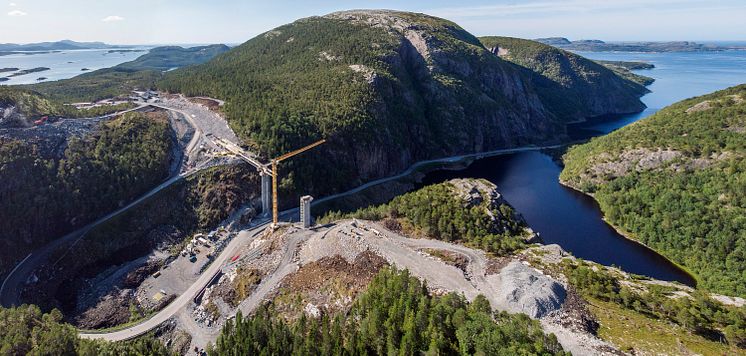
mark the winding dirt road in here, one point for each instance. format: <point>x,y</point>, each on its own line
<point>15,280</point>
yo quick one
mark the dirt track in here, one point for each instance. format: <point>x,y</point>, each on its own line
<point>528,295</point>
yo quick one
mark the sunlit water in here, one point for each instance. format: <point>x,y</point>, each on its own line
<point>64,64</point>
<point>529,181</point>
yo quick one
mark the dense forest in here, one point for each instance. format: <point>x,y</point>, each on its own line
<point>46,194</point>
<point>395,316</point>
<point>28,331</point>
<point>571,85</point>
<point>381,99</point>
<point>676,181</point>
<point>171,57</point>
<point>438,211</point>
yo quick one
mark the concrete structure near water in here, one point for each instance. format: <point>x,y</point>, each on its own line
<point>305,211</point>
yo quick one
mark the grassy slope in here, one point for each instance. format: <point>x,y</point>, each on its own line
<point>630,330</point>
<point>696,214</point>
<point>97,85</point>
<point>624,70</point>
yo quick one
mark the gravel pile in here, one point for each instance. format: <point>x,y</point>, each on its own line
<point>522,289</point>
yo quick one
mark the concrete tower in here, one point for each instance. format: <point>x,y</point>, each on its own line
<point>305,210</point>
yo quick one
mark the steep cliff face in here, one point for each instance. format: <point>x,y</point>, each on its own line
<point>385,88</point>
<point>439,93</point>
<point>572,86</point>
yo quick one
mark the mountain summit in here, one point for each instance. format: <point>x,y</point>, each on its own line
<point>385,88</point>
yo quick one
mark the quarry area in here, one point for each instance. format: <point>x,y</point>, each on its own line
<point>322,269</point>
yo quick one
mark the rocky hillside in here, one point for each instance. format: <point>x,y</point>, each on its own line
<point>676,182</point>
<point>384,88</point>
<point>21,107</point>
<point>570,85</point>
<point>161,223</point>
<point>468,211</point>
<point>61,176</point>
<point>17,107</point>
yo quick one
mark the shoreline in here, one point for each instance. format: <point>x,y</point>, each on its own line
<point>629,237</point>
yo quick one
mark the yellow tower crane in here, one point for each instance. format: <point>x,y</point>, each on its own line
<point>274,176</point>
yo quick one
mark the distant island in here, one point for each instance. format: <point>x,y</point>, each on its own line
<point>125,50</point>
<point>54,46</point>
<point>8,53</point>
<point>28,71</point>
<point>601,46</point>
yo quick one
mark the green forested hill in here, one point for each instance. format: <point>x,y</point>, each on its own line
<point>676,181</point>
<point>384,88</point>
<point>20,107</point>
<point>46,194</point>
<point>443,211</point>
<point>170,57</point>
<point>570,84</point>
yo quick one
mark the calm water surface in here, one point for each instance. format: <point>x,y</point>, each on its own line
<point>65,64</point>
<point>529,181</point>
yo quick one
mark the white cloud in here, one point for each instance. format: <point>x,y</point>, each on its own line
<point>17,13</point>
<point>112,18</point>
<point>12,4</point>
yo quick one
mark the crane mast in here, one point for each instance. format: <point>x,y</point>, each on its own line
<point>275,205</point>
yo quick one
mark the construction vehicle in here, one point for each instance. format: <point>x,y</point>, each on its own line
<point>275,162</point>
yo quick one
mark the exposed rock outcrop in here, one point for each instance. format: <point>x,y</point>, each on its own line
<point>570,85</point>
<point>385,89</point>
<point>10,116</point>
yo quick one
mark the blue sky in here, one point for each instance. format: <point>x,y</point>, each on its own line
<point>233,21</point>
